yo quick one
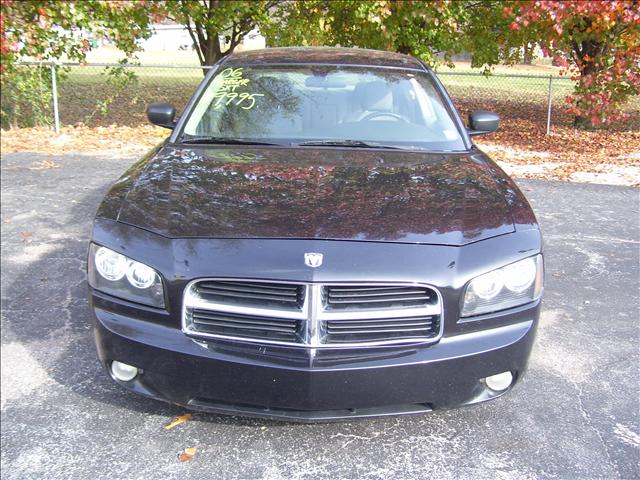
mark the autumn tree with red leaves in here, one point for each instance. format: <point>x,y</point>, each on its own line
<point>51,29</point>
<point>598,43</point>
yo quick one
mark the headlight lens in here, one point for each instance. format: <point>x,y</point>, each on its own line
<point>111,265</point>
<point>115,274</point>
<point>140,276</point>
<point>520,275</point>
<point>507,287</point>
<point>488,285</point>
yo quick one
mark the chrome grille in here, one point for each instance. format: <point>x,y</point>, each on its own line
<point>312,315</point>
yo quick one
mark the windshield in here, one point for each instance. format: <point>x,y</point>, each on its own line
<point>299,104</point>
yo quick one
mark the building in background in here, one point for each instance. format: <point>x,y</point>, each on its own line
<point>172,37</point>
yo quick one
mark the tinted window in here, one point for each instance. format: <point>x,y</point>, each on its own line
<point>296,104</point>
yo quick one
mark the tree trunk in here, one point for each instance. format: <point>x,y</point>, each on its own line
<point>587,56</point>
<point>527,54</point>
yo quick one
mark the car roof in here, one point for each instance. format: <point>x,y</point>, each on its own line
<point>323,55</point>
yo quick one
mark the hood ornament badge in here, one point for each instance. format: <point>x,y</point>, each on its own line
<point>312,259</point>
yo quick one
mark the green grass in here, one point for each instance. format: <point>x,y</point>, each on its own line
<point>83,88</point>
<point>506,88</point>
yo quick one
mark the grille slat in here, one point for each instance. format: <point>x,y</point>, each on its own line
<point>256,285</point>
<point>247,289</point>
<point>366,289</point>
<point>362,293</point>
<point>279,295</point>
<point>353,339</point>
<point>251,296</point>
<point>363,298</point>
<point>246,326</point>
<point>340,325</point>
<point>209,319</point>
<point>217,323</point>
<point>377,330</point>
<point>376,299</point>
<point>342,331</point>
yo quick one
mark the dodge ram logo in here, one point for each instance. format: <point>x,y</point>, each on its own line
<point>313,260</point>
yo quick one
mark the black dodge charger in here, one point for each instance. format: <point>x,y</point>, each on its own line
<point>318,238</point>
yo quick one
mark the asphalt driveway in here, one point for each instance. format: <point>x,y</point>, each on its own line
<point>576,415</point>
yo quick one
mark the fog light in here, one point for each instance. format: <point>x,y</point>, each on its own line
<point>123,372</point>
<point>499,382</point>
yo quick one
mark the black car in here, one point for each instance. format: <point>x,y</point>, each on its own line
<point>318,238</point>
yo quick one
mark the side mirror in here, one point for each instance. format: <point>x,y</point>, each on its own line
<point>481,122</point>
<point>162,114</point>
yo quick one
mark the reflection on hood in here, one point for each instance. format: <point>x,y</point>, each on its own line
<point>313,193</point>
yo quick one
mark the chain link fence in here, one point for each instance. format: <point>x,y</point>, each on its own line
<point>108,94</point>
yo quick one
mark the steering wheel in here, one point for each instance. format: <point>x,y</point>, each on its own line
<point>373,115</point>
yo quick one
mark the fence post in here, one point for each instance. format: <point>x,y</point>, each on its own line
<point>549,107</point>
<point>54,92</point>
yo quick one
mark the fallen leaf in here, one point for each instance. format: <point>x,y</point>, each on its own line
<point>187,454</point>
<point>178,420</point>
<point>26,237</point>
<point>135,140</point>
<point>45,164</point>
<point>521,140</point>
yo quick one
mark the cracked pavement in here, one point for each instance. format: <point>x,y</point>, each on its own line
<point>575,415</point>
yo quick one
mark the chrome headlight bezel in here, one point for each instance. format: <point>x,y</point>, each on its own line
<point>510,286</point>
<point>115,274</point>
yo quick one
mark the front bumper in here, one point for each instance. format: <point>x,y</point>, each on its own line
<point>300,384</point>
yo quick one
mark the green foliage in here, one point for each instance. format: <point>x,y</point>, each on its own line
<point>598,40</point>
<point>430,30</point>
<point>217,27</point>
<point>118,80</point>
<point>51,29</point>
<point>26,97</point>
<point>46,30</point>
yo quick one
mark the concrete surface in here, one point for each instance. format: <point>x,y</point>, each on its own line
<point>574,416</point>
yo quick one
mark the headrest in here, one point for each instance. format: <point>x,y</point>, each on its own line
<point>374,96</point>
<point>325,81</point>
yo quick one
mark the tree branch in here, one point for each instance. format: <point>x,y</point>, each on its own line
<point>195,43</point>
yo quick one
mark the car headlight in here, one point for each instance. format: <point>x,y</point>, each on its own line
<point>510,286</point>
<point>115,274</point>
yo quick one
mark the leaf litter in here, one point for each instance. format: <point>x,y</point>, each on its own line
<point>521,147</point>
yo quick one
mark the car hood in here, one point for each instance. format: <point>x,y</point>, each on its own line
<point>313,193</point>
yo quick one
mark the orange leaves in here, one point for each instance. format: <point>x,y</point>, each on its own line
<point>179,420</point>
<point>44,165</point>
<point>604,57</point>
<point>132,140</point>
<point>187,454</point>
<point>27,237</point>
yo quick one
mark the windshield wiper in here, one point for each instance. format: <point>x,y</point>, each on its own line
<point>345,143</point>
<point>225,141</point>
